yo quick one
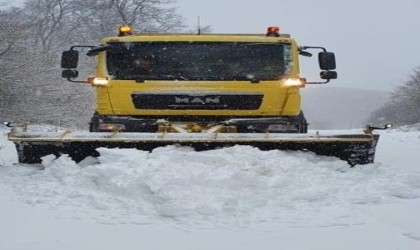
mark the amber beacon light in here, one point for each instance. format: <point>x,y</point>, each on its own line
<point>125,30</point>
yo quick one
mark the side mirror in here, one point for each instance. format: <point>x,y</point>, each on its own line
<point>69,59</point>
<point>69,73</point>
<point>328,75</point>
<point>326,60</point>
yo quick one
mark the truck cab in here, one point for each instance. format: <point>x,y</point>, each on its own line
<point>244,83</point>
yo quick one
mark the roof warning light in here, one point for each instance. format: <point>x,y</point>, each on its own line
<point>273,31</point>
<point>125,30</point>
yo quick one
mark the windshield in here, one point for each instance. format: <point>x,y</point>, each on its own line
<point>198,61</point>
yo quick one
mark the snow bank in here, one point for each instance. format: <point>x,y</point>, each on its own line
<point>412,127</point>
<point>232,198</point>
<point>232,187</point>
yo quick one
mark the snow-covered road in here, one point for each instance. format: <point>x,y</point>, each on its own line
<point>233,198</point>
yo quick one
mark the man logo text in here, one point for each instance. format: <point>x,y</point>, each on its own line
<point>197,100</point>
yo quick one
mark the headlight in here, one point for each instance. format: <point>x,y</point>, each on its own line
<point>294,82</point>
<point>98,81</point>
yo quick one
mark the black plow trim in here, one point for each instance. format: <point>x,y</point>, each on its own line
<point>353,151</point>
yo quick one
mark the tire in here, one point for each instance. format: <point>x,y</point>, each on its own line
<point>94,123</point>
<point>303,124</point>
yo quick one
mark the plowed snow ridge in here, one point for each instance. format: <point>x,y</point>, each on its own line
<point>231,187</point>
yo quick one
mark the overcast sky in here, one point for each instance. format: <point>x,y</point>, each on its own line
<point>375,41</point>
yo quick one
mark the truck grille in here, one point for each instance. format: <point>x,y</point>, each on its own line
<point>182,101</point>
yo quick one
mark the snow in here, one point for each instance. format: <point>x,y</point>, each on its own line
<point>232,198</point>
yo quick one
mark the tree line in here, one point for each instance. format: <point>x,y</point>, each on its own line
<point>403,107</point>
<point>33,36</point>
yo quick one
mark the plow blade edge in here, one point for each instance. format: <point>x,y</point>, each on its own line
<point>31,146</point>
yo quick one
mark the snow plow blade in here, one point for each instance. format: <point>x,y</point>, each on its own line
<point>31,146</point>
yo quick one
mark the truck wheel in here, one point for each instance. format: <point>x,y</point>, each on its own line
<point>303,124</point>
<point>94,124</point>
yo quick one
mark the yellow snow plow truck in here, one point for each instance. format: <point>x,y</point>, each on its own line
<point>199,90</point>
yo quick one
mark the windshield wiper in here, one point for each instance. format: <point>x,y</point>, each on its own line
<point>163,77</point>
<point>175,77</point>
<point>142,78</point>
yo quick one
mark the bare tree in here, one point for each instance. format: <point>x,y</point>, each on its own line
<point>410,90</point>
<point>12,55</point>
<point>33,36</point>
<point>404,107</point>
<point>12,35</point>
<point>101,18</point>
<point>48,19</point>
<point>148,15</point>
<point>56,23</point>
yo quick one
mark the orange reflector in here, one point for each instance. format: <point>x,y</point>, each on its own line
<point>89,80</point>
<point>125,30</point>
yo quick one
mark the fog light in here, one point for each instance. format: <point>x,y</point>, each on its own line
<point>282,128</point>
<point>111,127</point>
